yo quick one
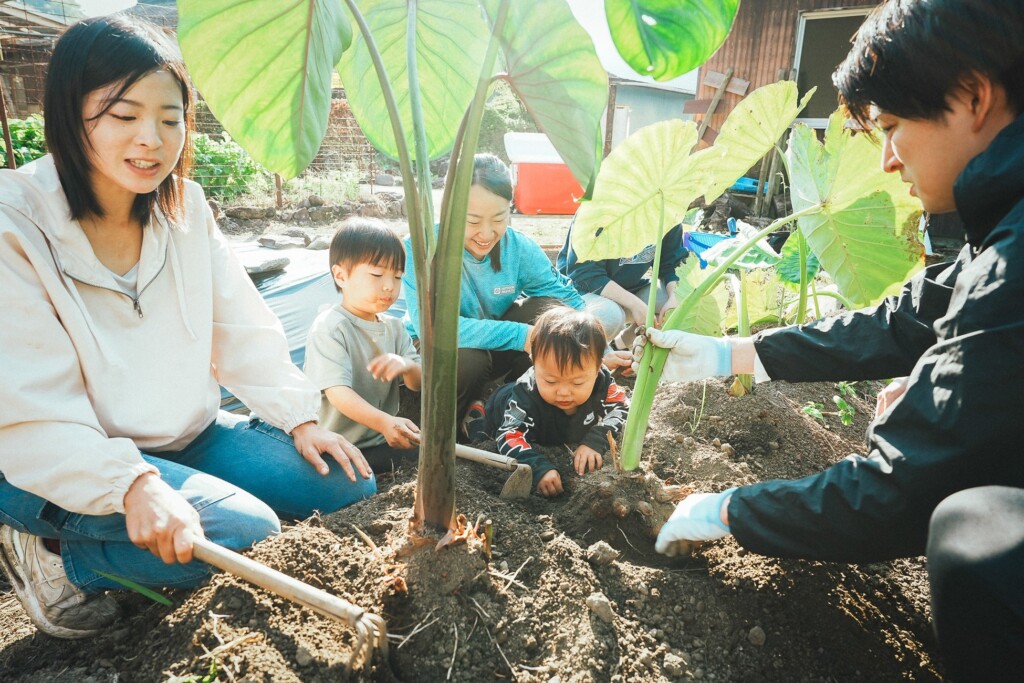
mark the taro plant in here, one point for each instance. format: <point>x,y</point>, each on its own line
<point>859,223</point>
<point>417,74</point>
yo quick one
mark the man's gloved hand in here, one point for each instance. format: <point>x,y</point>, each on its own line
<point>698,517</point>
<point>691,357</point>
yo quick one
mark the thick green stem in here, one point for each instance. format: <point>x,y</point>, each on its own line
<point>439,316</point>
<point>743,322</point>
<point>652,296</point>
<point>837,296</point>
<point>801,309</point>
<point>419,130</point>
<point>653,361</point>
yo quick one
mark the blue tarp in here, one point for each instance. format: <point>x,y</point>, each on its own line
<point>296,295</point>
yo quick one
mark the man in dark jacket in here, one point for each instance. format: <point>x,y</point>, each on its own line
<point>943,81</point>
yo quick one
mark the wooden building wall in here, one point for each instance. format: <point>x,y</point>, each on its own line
<point>762,41</point>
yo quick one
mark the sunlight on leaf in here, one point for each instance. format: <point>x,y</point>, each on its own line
<point>766,297</point>
<point>451,38</point>
<point>264,68</point>
<point>623,216</point>
<point>752,129</point>
<point>664,39</point>
<point>789,266</point>
<point>866,234</point>
<point>554,69</point>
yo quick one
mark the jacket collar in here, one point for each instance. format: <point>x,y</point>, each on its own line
<point>40,197</point>
<point>992,183</point>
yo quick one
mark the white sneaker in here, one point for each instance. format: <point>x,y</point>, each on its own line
<point>54,604</point>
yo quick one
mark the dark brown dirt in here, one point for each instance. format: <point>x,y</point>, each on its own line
<point>722,614</point>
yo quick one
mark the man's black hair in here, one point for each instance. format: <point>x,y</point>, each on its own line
<point>115,50</point>
<point>365,240</point>
<point>909,56</point>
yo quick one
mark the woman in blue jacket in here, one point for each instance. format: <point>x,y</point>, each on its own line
<point>507,280</point>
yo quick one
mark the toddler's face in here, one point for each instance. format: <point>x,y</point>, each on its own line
<point>565,388</point>
<point>367,289</point>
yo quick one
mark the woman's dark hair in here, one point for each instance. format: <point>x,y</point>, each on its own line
<point>492,174</point>
<point>569,336</point>
<point>365,240</point>
<point>96,53</point>
<point>909,56</point>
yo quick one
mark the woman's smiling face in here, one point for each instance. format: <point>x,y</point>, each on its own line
<point>486,221</point>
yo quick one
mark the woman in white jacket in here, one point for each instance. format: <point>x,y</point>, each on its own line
<point>123,308</point>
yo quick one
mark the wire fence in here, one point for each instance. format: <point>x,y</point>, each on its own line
<point>28,31</point>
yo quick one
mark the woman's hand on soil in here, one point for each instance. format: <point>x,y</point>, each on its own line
<point>387,366</point>
<point>586,459</point>
<point>400,432</point>
<point>550,484</point>
<point>887,396</point>
<point>698,517</point>
<point>160,520</point>
<point>312,440</point>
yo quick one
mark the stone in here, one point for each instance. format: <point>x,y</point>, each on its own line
<point>674,665</point>
<point>728,451</point>
<point>321,214</point>
<point>298,232</point>
<point>600,605</point>
<point>247,213</point>
<point>716,442</point>
<point>319,244</point>
<point>314,200</point>
<point>303,657</point>
<point>757,636</point>
<point>270,265</point>
<point>547,536</point>
<point>215,208</point>
<point>384,180</point>
<point>601,554</point>
<point>281,242</point>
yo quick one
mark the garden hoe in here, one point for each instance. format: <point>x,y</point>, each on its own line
<point>371,631</point>
<point>518,485</point>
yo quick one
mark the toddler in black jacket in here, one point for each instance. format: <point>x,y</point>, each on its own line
<point>567,397</point>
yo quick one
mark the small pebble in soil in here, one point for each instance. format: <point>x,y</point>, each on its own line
<point>547,536</point>
<point>600,605</point>
<point>716,442</point>
<point>674,665</point>
<point>689,442</point>
<point>601,554</point>
<point>303,657</point>
<point>756,636</point>
<point>728,451</point>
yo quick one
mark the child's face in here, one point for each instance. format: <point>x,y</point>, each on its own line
<point>565,388</point>
<point>486,221</point>
<point>367,289</point>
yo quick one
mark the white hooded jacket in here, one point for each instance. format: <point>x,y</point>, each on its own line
<point>89,376</point>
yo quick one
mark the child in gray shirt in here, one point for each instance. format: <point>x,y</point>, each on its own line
<point>357,356</point>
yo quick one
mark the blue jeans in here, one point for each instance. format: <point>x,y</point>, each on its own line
<point>239,474</point>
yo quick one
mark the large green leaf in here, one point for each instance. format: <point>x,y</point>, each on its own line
<point>766,298</point>
<point>451,38</point>
<point>751,131</point>
<point>623,216</point>
<point>264,68</point>
<point>553,68</point>
<point>865,235</point>
<point>789,266</point>
<point>706,316</point>
<point>667,38</point>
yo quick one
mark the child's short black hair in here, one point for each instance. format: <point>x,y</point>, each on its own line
<point>909,56</point>
<point>365,240</point>
<point>569,336</point>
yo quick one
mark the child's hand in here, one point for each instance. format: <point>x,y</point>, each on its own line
<point>586,459</point>
<point>550,484</point>
<point>400,432</point>
<point>387,366</point>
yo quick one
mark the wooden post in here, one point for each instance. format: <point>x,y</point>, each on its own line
<point>279,200</point>
<point>8,145</point>
<point>714,103</point>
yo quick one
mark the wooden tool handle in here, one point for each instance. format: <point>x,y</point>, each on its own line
<point>486,458</point>
<point>276,582</point>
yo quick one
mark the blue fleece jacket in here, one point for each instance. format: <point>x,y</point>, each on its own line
<point>486,295</point>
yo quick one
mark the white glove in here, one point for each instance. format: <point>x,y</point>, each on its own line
<point>692,357</point>
<point>698,517</point>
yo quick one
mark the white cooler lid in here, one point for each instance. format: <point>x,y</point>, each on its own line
<point>530,148</point>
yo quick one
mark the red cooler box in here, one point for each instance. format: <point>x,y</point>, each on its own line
<point>543,183</point>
